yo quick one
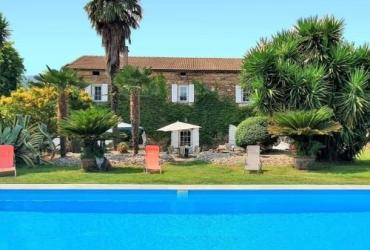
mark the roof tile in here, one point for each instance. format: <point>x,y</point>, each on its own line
<point>164,63</point>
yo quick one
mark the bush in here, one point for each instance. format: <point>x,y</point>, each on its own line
<point>253,131</point>
<point>303,127</point>
<point>40,104</point>
<point>89,125</point>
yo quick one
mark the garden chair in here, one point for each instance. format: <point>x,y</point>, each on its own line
<point>253,162</point>
<point>7,164</point>
<point>152,159</point>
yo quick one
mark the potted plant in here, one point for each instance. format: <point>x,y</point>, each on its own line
<point>303,127</point>
<point>90,125</point>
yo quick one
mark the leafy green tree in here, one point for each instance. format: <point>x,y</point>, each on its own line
<point>4,30</point>
<point>308,67</point>
<point>133,79</point>
<point>62,80</point>
<point>11,64</point>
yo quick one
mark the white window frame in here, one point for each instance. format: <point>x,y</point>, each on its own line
<point>180,87</point>
<point>101,93</point>
<point>245,96</point>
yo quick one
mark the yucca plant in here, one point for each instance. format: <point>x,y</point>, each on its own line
<point>303,126</point>
<point>309,67</point>
<point>90,125</point>
<point>29,140</point>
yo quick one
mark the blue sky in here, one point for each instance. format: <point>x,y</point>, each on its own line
<point>57,32</point>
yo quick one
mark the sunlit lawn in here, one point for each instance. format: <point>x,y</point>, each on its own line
<point>357,172</point>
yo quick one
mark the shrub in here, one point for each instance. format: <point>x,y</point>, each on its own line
<point>253,131</point>
<point>28,139</point>
<point>90,125</point>
<point>305,127</point>
<point>40,104</point>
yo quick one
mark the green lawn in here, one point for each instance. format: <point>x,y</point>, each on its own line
<point>357,172</point>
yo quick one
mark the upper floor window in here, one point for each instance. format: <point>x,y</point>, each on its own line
<point>245,96</point>
<point>97,93</point>
<point>183,93</point>
<point>241,95</point>
<point>96,73</point>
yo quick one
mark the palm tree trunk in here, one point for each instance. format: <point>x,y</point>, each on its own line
<point>62,114</point>
<point>135,118</point>
<point>112,51</point>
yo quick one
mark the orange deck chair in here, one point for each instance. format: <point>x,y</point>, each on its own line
<point>7,165</point>
<point>152,159</point>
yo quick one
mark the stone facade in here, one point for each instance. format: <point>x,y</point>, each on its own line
<point>223,82</point>
<point>220,74</point>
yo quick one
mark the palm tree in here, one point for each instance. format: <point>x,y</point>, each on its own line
<point>4,30</point>
<point>303,126</point>
<point>62,80</point>
<point>113,20</point>
<point>133,79</point>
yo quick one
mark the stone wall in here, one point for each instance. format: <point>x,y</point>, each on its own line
<point>223,82</point>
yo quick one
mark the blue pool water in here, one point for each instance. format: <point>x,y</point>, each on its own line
<point>104,220</point>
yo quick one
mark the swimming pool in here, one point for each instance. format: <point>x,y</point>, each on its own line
<point>196,219</point>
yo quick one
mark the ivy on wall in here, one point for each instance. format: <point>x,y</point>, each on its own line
<point>211,111</point>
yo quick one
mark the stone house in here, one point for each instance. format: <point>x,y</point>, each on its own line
<point>221,74</point>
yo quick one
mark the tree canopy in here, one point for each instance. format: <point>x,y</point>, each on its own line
<point>311,66</point>
<point>11,64</point>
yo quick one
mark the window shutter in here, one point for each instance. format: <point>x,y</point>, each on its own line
<point>174,93</point>
<point>104,92</point>
<point>88,90</point>
<point>175,139</point>
<point>191,93</point>
<point>238,94</point>
<point>195,138</point>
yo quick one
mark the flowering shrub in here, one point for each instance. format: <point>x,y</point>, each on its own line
<point>40,103</point>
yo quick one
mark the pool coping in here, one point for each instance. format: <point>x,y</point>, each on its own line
<point>178,187</point>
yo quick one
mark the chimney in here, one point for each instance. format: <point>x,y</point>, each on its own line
<point>124,56</point>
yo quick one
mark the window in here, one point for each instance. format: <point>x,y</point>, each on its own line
<point>96,73</point>
<point>183,93</point>
<point>183,74</point>
<point>97,93</point>
<point>245,96</point>
<point>185,138</point>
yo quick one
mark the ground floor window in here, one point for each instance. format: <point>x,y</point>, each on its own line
<point>185,138</point>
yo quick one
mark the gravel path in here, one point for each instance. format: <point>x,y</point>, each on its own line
<point>279,158</point>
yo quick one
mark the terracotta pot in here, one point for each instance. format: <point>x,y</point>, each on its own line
<point>89,165</point>
<point>303,162</point>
